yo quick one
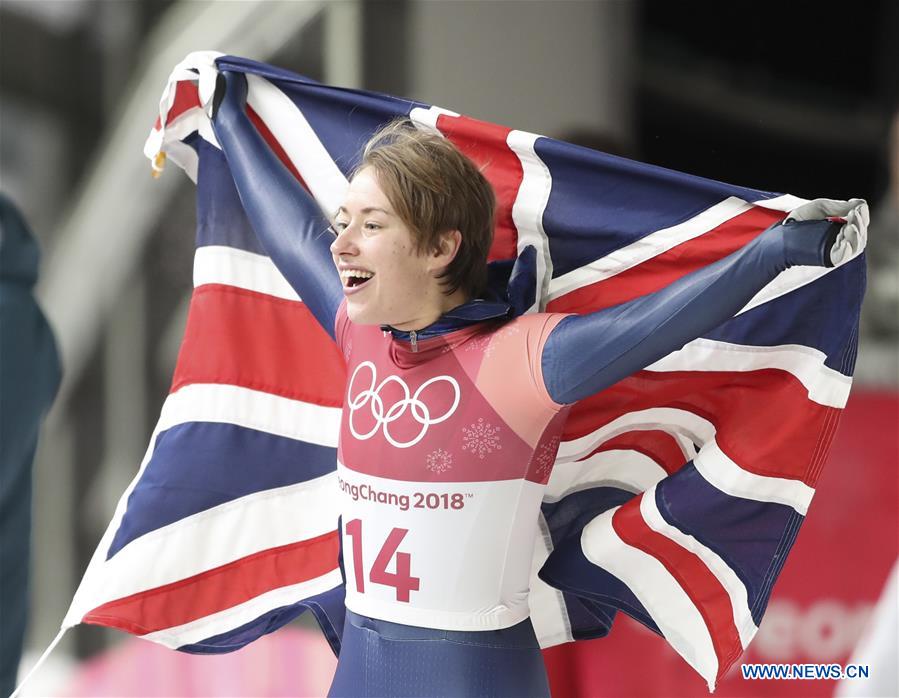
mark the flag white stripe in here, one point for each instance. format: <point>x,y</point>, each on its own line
<point>294,133</point>
<point>428,117</point>
<point>825,386</point>
<point>628,470</point>
<point>647,247</point>
<point>527,211</point>
<point>667,419</point>
<point>720,471</point>
<point>218,264</point>
<point>169,140</point>
<point>216,537</point>
<point>185,157</point>
<point>711,462</point>
<point>186,123</point>
<point>784,202</point>
<point>672,610</point>
<point>736,590</point>
<point>786,282</point>
<point>236,616</point>
<point>229,404</point>
<point>687,447</point>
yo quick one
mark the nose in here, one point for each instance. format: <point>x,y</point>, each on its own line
<point>344,243</point>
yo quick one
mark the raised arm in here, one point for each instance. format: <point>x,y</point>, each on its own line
<point>286,219</point>
<point>586,353</point>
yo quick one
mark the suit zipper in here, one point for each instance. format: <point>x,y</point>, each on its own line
<point>414,341</point>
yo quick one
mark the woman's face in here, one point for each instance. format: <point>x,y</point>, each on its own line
<point>372,238</point>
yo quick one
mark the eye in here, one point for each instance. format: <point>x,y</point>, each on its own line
<point>372,226</point>
<point>338,226</point>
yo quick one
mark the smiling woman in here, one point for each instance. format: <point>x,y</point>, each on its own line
<point>456,405</point>
<point>414,231</point>
<point>387,280</point>
<point>435,189</point>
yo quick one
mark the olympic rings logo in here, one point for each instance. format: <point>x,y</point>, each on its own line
<point>418,409</point>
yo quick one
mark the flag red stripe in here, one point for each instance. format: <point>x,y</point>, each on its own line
<point>274,144</point>
<point>220,588</point>
<point>663,269</point>
<point>776,443</point>
<point>660,446</point>
<point>186,97</point>
<point>690,572</point>
<point>253,340</point>
<point>486,145</point>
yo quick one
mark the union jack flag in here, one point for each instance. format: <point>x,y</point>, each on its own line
<point>686,482</point>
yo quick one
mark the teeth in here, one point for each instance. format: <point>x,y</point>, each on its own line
<point>346,274</point>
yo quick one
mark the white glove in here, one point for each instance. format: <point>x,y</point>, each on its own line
<point>853,235</point>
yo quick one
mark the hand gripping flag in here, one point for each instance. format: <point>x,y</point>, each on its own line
<point>685,483</point>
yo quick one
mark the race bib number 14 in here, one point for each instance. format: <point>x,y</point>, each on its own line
<point>401,580</point>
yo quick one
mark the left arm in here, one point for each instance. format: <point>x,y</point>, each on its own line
<point>587,353</point>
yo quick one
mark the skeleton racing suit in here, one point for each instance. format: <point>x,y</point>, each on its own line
<point>449,432</point>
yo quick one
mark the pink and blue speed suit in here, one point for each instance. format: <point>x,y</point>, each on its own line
<point>449,433</point>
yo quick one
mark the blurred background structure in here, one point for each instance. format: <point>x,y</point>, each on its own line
<point>777,97</point>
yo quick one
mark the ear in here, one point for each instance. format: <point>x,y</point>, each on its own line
<point>449,246</point>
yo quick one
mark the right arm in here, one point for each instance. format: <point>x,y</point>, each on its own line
<point>287,221</point>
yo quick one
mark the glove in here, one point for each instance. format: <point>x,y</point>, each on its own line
<point>514,281</point>
<point>851,237</point>
<point>522,289</point>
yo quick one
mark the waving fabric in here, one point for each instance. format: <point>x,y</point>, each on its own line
<point>676,493</point>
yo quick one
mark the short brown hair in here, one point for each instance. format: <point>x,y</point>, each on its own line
<point>434,189</point>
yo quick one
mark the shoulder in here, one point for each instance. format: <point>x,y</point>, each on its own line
<point>512,371</point>
<point>539,323</point>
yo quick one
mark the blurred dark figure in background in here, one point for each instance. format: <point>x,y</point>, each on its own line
<point>29,378</point>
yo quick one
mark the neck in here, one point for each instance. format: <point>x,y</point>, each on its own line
<point>432,313</point>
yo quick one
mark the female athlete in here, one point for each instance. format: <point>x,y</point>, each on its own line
<point>454,403</point>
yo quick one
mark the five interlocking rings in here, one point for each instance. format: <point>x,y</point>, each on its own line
<point>419,410</point>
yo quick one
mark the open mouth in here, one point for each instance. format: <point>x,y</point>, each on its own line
<point>355,278</point>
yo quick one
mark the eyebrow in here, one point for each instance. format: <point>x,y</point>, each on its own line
<point>367,209</point>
